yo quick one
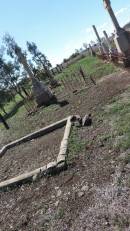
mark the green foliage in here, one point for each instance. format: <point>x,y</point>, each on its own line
<point>10,103</point>
<point>38,57</point>
<point>91,66</point>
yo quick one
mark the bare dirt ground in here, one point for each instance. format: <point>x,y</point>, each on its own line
<point>31,155</point>
<point>93,194</point>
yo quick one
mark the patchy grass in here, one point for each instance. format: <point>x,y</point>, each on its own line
<point>76,145</point>
<point>121,222</point>
<point>91,65</point>
<point>127,159</point>
<point>60,213</point>
<point>20,124</point>
<point>10,105</point>
<point>118,115</point>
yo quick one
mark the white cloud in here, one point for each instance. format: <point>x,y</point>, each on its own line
<point>54,59</point>
<point>88,30</point>
<point>123,15</point>
<point>121,11</point>
<point>103,26</point>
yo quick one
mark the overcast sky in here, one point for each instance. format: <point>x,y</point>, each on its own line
<point>58,27</point>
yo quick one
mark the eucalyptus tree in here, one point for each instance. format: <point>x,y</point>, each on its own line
<point>3,100</point>
<point>41,92</point>
<point>41,60</point>
<point>10,76</point>
<point>13,75</point>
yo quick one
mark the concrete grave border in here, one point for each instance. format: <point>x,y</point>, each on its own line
<point>50,168</point>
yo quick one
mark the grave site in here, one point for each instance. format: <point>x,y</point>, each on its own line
<point>65,137</point>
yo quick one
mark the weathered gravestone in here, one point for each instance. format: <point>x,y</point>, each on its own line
<point>121,36</point>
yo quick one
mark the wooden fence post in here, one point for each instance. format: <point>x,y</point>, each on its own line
<point>4,122</point>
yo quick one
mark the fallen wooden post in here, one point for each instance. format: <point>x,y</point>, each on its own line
<point>64,143</point>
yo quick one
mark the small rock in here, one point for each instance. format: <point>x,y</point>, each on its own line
<point>5,177</point>
<point>80,194</point>
<point>65,198</point>
<point>35,177</point>
<point>53,196</point>
<point>87,120</point>
<point>122,155</point>
<point>128,166</point>
<point>84,188</point>
<point>101,145</point>
<point>56,203</point>
<point>59,192</point>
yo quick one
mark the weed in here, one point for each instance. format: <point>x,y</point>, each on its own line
<point>118,115</point>
<point>76,145</point>
<point>60,213</point>
<point>127,159</point>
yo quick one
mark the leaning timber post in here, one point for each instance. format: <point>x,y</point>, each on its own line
<point>53,82</point>
<point>107,40</point>
<point>121,37</point>
<point>73,82</point>
<point>4,122</point>
<point>92,52</point>
<point>65,84</point>
<point>68,85</point>
<point>42,93</point>
<point>111,53</point>
<point>83,75</point>
<point>53,72</point>
<point>78,80</point>
<point>60,68</point>
<point>57,69</point>
<point>102,47</point>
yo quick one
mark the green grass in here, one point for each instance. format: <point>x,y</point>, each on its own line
<point>91,65</point>
<point>118,116</point>
<point>10,105</point>
<point>21,125</point>
<point>76,145</point>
